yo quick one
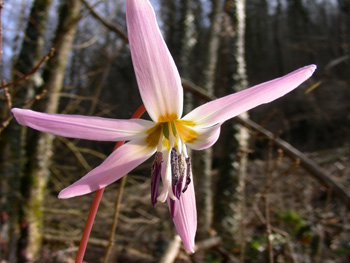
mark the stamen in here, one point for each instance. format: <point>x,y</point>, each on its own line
<point>173,207</point>
<point>174,172</point>
<point>156,174</point>
<point>188,173</point>
<point>174,167</point>
<point>181,160</point>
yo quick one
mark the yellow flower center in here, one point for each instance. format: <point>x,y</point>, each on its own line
<point>171,128</point>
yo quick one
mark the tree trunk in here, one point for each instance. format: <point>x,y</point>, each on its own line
<point>203,160</point>
<point>277,37</point>
<point>31,51</point>
<point>233,146</point>
<point>11,146</point>
<point>187,33</point>
<point>241,82</point>
<point>40,145</point>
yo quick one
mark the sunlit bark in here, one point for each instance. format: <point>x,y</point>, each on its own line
<point>203,160</point>
<point>40,145</point>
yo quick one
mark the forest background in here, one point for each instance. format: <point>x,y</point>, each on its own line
<point>259,198</point>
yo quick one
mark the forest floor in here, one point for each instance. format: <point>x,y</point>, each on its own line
<point>308,223</point>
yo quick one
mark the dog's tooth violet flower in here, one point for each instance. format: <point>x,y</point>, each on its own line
<point>168,135</point>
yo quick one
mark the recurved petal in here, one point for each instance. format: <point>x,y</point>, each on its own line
<point>83,127</point>
<point>205,139</point>
<point>156,73</point>
<point>185,220</point>
<point>225,108</point>
<point>118,164</point>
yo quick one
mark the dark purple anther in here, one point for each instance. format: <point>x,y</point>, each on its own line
<point>188,173</point>
<point>173,207</point>
<point>156,174</point>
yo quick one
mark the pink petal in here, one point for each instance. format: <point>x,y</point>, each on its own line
<point>118,164</point>
<point>225,108</point>
<point>206,138</point>
<point>83,127</point>
<point>156,73</point>
<point>185,219</point>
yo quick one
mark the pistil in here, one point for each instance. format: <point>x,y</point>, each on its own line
<point>178,167</point>
<point>156,174</point>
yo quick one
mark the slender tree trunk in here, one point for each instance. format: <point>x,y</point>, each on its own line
<point>187,33</point>
<point>40,145</point>
<point>203,160</point>
<point>31,51</point>
<point>241,82</point>
<point>232,148</point>
<point>11,144</point>
<point>344,26</point>
<point>277,38</point>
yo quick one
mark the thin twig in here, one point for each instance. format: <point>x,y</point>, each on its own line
<point>260,216</point>
<point>107,68</point>
<point>76,153</point>
<point>96,202</point>
<point>138,113</point>
<point>36,98</point>
<point>308,164</point>
<point>113,27</point>
<point>6,122</point>
<point>35,69</point>
<point>267,206</point>
<point>8,98</point>
<point>115,220</point>
<point>1,7</point>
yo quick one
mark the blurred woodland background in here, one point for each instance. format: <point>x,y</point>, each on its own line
<point>259,198</point>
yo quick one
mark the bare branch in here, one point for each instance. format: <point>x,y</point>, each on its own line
<point>312,167</point>
<point>6,122</point>
<point>172,250</point>
<point>35,69</point>
<point>1,7</point>
<point>76,153</point>
<point>113,27</point>
<point>115,219</point>
<point>8,98</point>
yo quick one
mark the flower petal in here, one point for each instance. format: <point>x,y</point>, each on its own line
<point>118,164</point>
<point>83,127</point>
<point>156,73</point>
<point>185,219</point>
<point>225,108</point>
<point>205,139</point>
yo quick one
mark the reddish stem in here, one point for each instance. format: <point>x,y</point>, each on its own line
<point>96,202</point>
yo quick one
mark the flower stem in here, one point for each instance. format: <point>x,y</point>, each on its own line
<point>96,202</point>
<point>88,225</point>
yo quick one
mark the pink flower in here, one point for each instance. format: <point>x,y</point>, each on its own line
<point>167,135</point>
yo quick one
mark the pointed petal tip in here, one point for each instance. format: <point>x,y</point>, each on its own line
<point>64,194</point>
<point>157,76</point>
<point>16,113</point>
<point>76,190</point>
<point>190,248</point>
<point>312,68</point>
